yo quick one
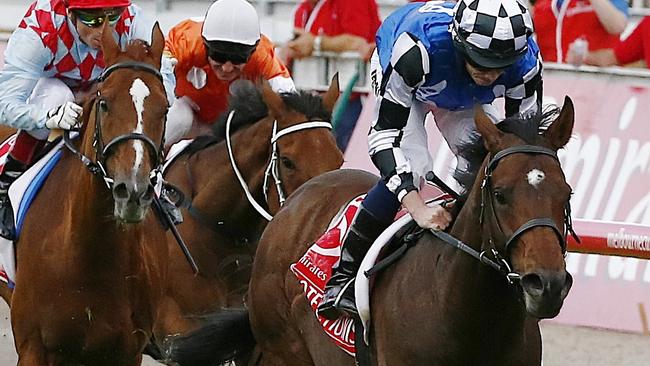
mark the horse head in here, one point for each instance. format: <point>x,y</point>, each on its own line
<point>525,209</point>
<point>295,158</point>
<point>125,123</point>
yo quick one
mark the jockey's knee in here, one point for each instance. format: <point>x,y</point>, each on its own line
<point>179,120</point>
<point>39,134</point>
<point>382,203</point>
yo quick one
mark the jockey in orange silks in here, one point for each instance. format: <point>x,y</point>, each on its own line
<point>209,55</point>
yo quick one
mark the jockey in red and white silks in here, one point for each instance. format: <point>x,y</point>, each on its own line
<point>54,54</point>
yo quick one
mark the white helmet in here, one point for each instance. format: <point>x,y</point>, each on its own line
<point>233,21</point>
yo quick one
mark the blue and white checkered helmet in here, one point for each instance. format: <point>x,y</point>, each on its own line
<point>491,33</point>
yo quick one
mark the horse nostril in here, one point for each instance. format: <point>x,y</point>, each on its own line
<point>532,283</point>
<point>147,195</point>
<point>121,192</point>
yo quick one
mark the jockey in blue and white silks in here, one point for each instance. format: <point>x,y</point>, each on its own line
<point>54,54</point>
<point>440,58</point>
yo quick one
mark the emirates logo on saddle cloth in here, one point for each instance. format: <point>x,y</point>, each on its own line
<point>314,269</point>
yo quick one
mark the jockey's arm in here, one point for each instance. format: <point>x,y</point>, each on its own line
<point>272,68</point>
<point>25,60</point>
<point>409,63</point>
<point>525,97</point>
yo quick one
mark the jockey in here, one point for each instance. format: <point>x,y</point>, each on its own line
<point>442,58</point>
<point>209,54</point>
<point>53,55</point>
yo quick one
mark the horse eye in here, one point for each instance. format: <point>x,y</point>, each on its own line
<point>287,163</point>
<point>103,105</point>
<point>500,197</point>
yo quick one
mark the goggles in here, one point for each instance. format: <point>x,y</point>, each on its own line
<point>481,68</point>
<point>236,55</point>
<point>94,20</point>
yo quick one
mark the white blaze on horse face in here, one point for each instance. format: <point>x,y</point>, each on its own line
<point>139,91</point>
<point>535,177</point>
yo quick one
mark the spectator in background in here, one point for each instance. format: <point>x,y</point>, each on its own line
<point>336,26</point>
<point>635,47</point>
<point>578,24</point>
<point>211,54</point>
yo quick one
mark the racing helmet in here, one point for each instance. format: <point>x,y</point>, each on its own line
<point>97,4</point>
<point>233,21</point>
<point>491,34</point>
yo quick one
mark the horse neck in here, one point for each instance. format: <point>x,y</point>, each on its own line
<point>218,191</point>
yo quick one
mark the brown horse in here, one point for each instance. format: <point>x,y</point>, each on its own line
<point>221,227</point>
<point>88,283</point>
<point>436,305</point>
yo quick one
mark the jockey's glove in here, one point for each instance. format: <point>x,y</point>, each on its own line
<point>65,117</point>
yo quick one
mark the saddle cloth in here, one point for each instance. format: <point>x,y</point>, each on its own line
<point>21,194</point>
<point>314,269</point>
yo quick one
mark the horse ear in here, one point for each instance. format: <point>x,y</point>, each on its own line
<point>491,134</point>
<point>157,44</point>
<point>273,101</point>
<point>110,48</point>
<point>332,94</point>
<point>559,132</point>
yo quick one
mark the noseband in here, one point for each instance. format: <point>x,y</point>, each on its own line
<point>272,170</point>
<point>487,197</point>
<point>103,151</point>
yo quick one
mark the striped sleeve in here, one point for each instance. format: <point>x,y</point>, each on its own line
<point>525,97</point>
<point>409,63</point>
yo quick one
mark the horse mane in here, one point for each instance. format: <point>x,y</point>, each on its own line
<point>526,128</point>
<point>138,49</point>
<point>249,106</point>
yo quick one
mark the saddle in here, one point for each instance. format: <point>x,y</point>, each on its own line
<point>314,269</point>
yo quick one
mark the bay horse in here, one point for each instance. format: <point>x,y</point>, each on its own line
<point>437,305</point>
<point>88,280</point>
<point>277,142</point>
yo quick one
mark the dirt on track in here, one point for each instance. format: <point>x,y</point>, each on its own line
<point>563,346</point>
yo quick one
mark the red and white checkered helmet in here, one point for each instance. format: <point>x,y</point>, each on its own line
<point>97,4</point>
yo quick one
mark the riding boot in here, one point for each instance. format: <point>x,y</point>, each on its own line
<point>21,155</point>
<point>339,291</point>
<point>11,171</point>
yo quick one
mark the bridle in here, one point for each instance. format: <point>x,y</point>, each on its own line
<point>272,170</point>
<point>489,218</point>
<point>491,256</point>
<point>103,151</point>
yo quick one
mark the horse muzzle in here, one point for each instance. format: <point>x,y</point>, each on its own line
<point>132,200</point>
<point>544,292</point>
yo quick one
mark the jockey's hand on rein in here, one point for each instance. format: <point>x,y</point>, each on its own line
<point>64,117</point>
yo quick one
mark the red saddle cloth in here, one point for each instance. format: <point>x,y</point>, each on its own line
<point>314,269</point>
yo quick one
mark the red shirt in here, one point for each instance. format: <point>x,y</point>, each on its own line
<point>636,46</point>
<point>335,17</point>
<point>579,20</point>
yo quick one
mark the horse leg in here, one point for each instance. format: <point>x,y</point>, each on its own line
<point>5,293</point>
<point>33,354</point>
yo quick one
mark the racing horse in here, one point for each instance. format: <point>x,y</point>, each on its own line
<point>274,144</point>
<point>88,284</point>
<point>437,305</point>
